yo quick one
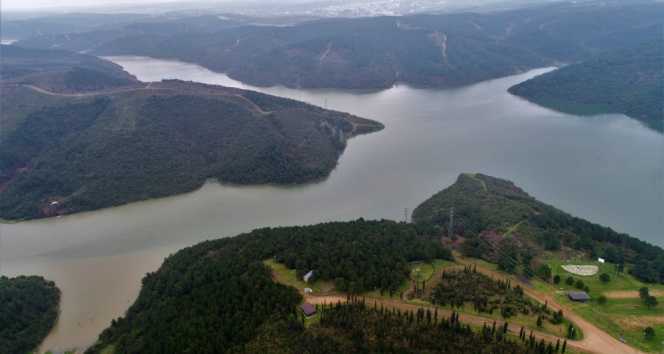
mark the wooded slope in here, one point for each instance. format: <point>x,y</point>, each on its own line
<point>503,224</point>
<point>28,310</point>
<point>91,149</point>
<point>60,71</point>
<point>430,50</point>
<point>218,296</point>
<point>628,80</point>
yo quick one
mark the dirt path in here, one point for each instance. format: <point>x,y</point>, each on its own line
<point>463,317</point>
<point>148,86</point>
<point>329,46</point>
<point>595,340</point>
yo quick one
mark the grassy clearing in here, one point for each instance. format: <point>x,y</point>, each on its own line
<point>620,282</point>
<point>623,322</point>
<point>436,271</point>
<point>287,276</point>
<point>420,272</point>
<point>621,317</point>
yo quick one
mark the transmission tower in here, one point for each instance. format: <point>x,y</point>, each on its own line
<point>450,227</point>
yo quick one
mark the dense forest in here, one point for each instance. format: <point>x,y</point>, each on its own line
<point>613,51</point>
<point>218,296</point>
<point>28,310</point>
<point>358,327</point>
<point>446,50</point>
<point>628,80</point>
<point>61,71</point>
<point>503,224</point>
<point>109,149</point>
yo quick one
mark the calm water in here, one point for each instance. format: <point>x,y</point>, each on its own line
<point>608,169</point>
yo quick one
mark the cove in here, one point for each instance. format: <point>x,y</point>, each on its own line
<point>607,168</point>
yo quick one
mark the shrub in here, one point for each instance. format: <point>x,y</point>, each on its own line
<point>579,284</point>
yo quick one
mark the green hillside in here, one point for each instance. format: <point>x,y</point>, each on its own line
<point>446,50</point>
<point>497,221</point>
<point>627,80</point>
<point>60,71</point>
<point>86,152</point>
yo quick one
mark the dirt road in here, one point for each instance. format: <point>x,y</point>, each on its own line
<point>595,340</point>
<point>463,317</point>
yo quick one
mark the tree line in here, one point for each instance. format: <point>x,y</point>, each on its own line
<point>503,224</point>
<point>218,296</point>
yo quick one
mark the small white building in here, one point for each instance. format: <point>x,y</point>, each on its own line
<point>307,276</point>
<point>601,260</point>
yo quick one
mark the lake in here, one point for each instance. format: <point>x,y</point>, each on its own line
<point>607,168</point>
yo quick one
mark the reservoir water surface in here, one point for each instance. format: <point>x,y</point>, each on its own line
<point>607,168</point>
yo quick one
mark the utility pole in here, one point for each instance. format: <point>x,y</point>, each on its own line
<point>450,227</point>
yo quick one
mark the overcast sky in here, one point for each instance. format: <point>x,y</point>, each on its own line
<point>50,4</point>
<point>46,4</point>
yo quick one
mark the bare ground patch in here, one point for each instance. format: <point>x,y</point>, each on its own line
<point>631,294</point>
<point>581,269</point>
<point>637,321</point>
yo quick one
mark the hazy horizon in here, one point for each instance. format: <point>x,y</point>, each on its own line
<point>44,5</point>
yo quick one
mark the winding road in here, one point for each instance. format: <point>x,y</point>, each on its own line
<point>595,340</point>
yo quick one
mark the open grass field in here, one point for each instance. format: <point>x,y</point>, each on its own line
<point>624,315</point>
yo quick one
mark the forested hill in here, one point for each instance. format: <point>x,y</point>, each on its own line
<point>28,310</point>
<point>431,50</point>
<point>628,80</point>
<point>218,297</point>
<point>69,153</point>
<point>60,71</point>
<point>498,221</point>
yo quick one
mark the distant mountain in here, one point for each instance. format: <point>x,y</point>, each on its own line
<point>429,50</point>
<point>65,152</point>
<point>498,221</point>
<point>628,80</point>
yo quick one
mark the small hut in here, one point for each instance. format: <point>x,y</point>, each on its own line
<point>308,310</point>
<point>578,296</point>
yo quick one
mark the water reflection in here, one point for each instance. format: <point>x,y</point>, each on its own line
<point>608,169</point>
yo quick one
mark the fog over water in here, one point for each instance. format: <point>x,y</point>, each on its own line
<point>608,169</point>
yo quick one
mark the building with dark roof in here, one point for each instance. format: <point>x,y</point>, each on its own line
<point>308,310</point>
<point>579,296</point>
